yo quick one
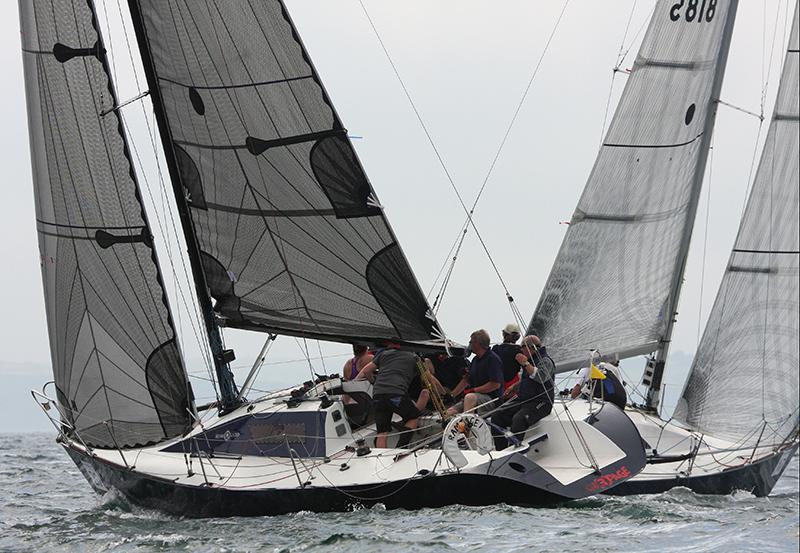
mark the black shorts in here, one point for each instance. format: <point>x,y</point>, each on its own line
<point>386,404</point>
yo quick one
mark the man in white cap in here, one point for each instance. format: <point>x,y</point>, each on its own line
<point>507,351</point>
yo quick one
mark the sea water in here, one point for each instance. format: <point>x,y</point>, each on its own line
<point>46,505</point>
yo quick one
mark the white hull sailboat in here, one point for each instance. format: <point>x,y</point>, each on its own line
<point>285,235</point>
<point>286,453</point>
<point>615,285</point>
<point>703,463</point>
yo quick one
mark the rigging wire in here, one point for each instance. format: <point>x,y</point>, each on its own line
<point>291,361</point>
<point>705,241</point>
<point>425,130</point>
<point>304,349</point>
<point>166,205</point>
<point>747,111</point>
<point>616,69</point>
<point>633,42</point>
<point>322,358</point>
<point>625,35</point>
<point>765,72</point>
<point>469,221</point>
<point>468,211</point>
<point>442,268</point>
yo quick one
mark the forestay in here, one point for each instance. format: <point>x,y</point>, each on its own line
<point>292,237</point>
<point>614,280</point>
<point>744,375</point>
<point>118,371</point>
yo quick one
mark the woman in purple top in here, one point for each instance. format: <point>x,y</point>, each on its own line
<point>361,356</point>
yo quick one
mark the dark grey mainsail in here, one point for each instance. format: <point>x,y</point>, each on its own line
<point>615,282</point>
<point>744,375</point>
<point>292,238</point>
<point>118,371</point>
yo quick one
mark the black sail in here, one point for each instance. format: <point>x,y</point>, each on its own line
<point>291,235</point>
<point>118,371</point>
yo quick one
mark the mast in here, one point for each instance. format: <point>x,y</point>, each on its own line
<point>654,371</point>
<point>222,357</point>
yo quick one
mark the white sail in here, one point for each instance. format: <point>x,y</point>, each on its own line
<point>744,376</point>
<point>615,282</point>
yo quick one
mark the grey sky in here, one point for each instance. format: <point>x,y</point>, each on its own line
<point>466,63</point>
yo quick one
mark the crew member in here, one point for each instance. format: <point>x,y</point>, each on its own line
<point>611,388</point>
<point>395,371</point>
<point>507,351</point>
<point>484,378</point>
<point>535,393</point>
<point>361,356</point>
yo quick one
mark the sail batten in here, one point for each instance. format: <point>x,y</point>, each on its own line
<point>748,355</point>
<point>290,233</point>
<point>118,371</point>
<point>616,278</point>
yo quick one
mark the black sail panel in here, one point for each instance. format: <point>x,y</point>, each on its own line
<point>118,371</point>
<point>290,232</point>
<point>610,286</point>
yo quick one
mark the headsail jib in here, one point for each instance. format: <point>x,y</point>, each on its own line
<point>119,375</point>
<point>614,284</point>
<point>291,235</point>
<point>749,351</point>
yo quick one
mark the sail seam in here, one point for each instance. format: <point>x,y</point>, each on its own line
<point>305,232</point>
<point>741,269</point>
<point>257,146</point>
<point>62,225</point>
<point>612,145</point>
<point>777,252</point>
<point>233,86</point>
<point>691,65</point>
<point>92,238</point>
<point>269,212</point>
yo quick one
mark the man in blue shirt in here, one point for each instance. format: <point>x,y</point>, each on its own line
<point>483,381</point>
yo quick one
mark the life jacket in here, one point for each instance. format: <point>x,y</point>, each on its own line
<point>511,382</point>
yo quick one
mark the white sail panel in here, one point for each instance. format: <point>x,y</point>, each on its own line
<point>612,280</point>
<point>744,375</point>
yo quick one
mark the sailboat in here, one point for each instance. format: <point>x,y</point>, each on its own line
<point>285,235</point>
<point>616,281</point>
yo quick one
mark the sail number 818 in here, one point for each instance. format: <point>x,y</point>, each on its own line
<point>700,10</point>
